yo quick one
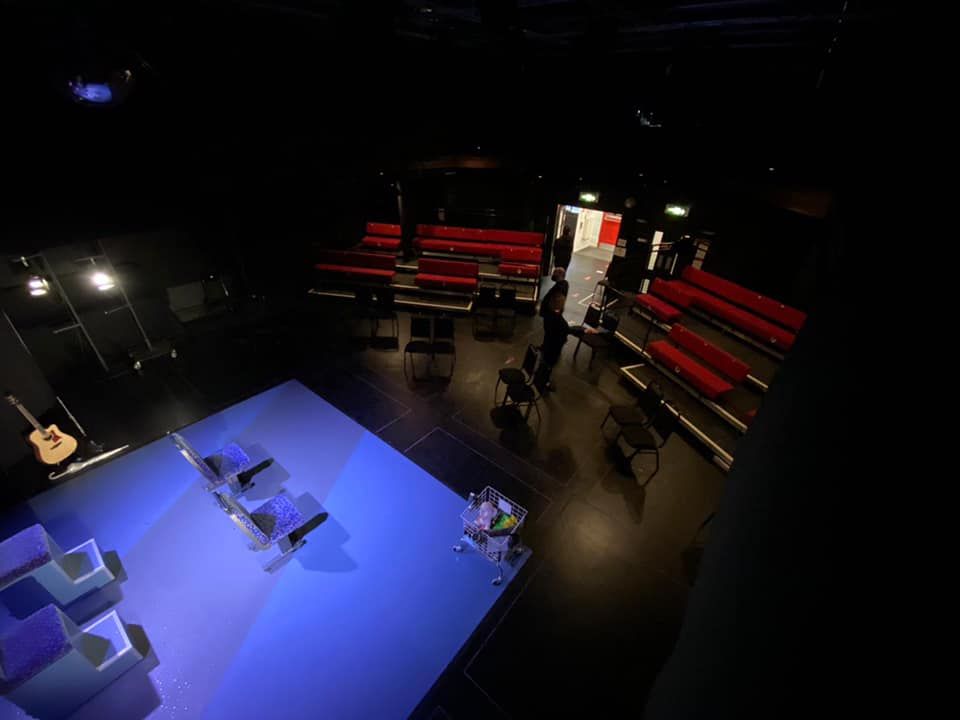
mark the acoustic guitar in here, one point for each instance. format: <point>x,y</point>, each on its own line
<point>50,445</point>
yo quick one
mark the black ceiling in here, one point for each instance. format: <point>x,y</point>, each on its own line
<point>239,92</point>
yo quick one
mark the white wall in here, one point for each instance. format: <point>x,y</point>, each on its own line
<point>588,229</point>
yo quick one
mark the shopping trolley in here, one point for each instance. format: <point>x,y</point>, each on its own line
<point>491,524</point>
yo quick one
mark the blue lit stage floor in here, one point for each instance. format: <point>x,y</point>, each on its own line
<point>358,624</point>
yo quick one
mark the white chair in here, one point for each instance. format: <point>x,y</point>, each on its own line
<point>65,575</point>
<point>49,666</point>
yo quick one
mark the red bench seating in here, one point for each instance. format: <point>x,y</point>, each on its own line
<point>447,274</point>
<point>672,292</point>
<point>706,382</point>
<point>663,311</point>
<point>376,242</point>
<point>493,250</point>
<point>520,254</point>
<point>481,235</point>
<point>519,270</point>
<point>733,367</point>
<point>375,228</point>
<point>358,265</point>
<point>760,304</point>
<point>756,327</point>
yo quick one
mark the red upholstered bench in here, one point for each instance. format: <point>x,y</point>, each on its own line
<point>661,310</point>
<point>752,325</point>
<point>447,274</point>
<point>733,367</point>
<point>760,304</point>
<point>519,270</point>
<point>520,254</point>
<point>375,228</point>
<point>672,292</point>
<point>457,247</point>
<point>358,265</point>
<point>710,385</point>
<point>482,235</point>
<point>376,242</point>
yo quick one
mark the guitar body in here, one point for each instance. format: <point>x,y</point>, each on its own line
<point>52,446</point>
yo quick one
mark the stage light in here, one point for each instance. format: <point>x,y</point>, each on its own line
<point>677,210</point>
<point>97,93</point>
<point>37,286</point>
<point>102,281</point>
<point>589,197</point>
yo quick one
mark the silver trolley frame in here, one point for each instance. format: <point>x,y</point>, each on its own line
<point>495,545</point>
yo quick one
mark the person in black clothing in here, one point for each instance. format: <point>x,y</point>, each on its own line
<point>560,285</point>
<point>555,332</point>
<point>563,248</point>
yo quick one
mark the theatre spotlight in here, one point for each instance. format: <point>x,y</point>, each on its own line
<point>38,286</point>
<point>102,281</point>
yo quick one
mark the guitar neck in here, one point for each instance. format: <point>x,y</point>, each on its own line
<point>30,418</point>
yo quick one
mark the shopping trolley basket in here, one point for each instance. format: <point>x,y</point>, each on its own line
<point>491,524</point>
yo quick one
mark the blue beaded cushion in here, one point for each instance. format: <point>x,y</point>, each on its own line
<point>277,517</point>
<point>231,460</point>
<point>23,553</point>
<point>33,645</point>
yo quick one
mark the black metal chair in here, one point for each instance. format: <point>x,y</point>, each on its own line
<point>649,440</point>
<point>485,311</point>
<point>420,343</point>
<point>383,309</point>
<point>526,394</point>
<point>596,319</point>
<point>522,375</point>
<point>640,413</point>
<point>506,310</point>
<point>443,341</point>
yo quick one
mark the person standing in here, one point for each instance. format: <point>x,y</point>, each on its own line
<point>555,333</point>
<point>560,285</point>
<point>563,248</point>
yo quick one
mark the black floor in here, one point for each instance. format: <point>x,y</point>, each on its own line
<point>592,617</point>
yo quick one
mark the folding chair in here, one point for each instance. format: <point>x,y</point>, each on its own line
<point>517,376</point>
<point>420,343</point>
<point>595,319</point>
<point>383,309</point>
<point>485,311</point>
<point>507,309</point>
<point>526,395</point>
<point>443,341</point>
<point>644,441</point>
<point>641,413</point>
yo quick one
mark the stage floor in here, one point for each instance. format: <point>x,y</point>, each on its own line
<point>358,624</point>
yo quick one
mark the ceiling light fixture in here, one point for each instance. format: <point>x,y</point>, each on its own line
<point>102,281</point>
<point>677,210</point>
